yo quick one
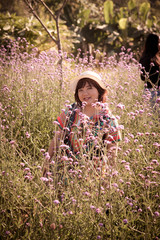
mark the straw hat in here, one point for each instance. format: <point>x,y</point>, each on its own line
<point>87,74</point>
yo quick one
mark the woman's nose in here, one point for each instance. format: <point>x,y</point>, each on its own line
<point>85,92</point>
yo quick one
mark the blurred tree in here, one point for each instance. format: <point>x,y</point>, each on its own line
<point>58,5</point>
<point>33,7</point>
<point>13,6</point>
<point>8,5</point>
<point>94,25</point>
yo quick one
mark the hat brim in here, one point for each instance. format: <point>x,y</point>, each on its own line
<point>74,83</point>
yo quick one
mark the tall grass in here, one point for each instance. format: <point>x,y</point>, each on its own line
<point>123,203</point>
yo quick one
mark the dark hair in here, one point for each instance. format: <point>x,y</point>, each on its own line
<point>82,82</point>
<point>151,45</point>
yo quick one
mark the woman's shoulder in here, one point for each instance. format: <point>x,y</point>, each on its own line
<point>69,108</point>
<point>67,113</point>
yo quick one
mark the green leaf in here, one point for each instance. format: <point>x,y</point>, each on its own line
<point>84,16</point>
<point>144,9</point>
<point>122,23</point>
<point>108,11</point>
<point>131,4</point>
<point>149,23</point>
<point>123,12</point>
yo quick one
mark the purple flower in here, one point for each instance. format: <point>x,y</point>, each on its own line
<point>55,122</point>
<point>121,127</point>
<point>108,205</point>
<point>44,179</point>
<point>70,212</point>
<point>86,194</point>
<point>154,161</point>
<point>42,150</point>
<point>125,221</point>
<point>27,169</point>
<point>47,157</point>
<point>158,100</point>
<point>101,224</point>
<point>127,167</point>
<point>27,135</point>
<point>74,200</point>
<point>92,207</point>
<point>156,214</point>
<point>115,185</point>
<point>128,183</point>
<point>12,142</point>
<point>22,164</point>
<point>98,210</point>
<point>56,202</point>
<point>65,158</point>
<point>126,140</point>
<point>121,106</point>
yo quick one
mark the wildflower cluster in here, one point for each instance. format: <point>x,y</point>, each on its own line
<point>76,199</point>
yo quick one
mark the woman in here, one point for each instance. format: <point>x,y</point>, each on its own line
<point>150,61</point>
<point>87,128</point>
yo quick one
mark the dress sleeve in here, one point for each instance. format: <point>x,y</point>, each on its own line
<point>62,118</point>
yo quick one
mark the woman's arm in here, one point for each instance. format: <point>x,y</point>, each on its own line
<point>52,151</point>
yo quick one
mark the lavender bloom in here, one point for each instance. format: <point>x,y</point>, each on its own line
<point>157,214</point>
<point>125,221</point>
<point>44,179</point>
<point>101,224</point>
<point>56,202</point>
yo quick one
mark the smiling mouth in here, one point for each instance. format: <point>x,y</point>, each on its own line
<point>86,99</point>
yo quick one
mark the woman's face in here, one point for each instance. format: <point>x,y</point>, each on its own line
<point>88,94</point>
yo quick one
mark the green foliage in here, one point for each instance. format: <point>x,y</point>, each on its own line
<point>83,17</point>
<point>13,27</point>
<point>144,10</point>
<point>131,5</point>
<point>125,26</point>
<point>123,23</point>
<point>54,5</point>
<point>86,26</point>
<point>129,23</point>
<point>108,11</point>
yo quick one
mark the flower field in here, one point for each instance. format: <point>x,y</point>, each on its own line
<point>123,202</point>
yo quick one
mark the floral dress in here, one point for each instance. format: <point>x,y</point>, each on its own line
<point>82,133</point>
